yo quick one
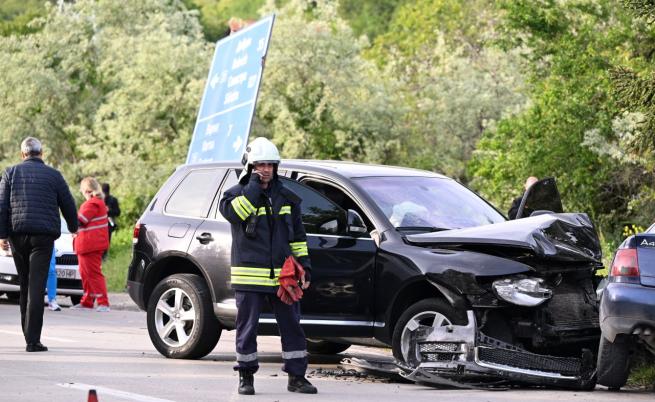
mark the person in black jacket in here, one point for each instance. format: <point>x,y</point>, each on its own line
<point>31,196</point>
<point>266,228</point>
<point>113,211</point>
<point>516,203</point>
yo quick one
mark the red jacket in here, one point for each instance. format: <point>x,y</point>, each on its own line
<point>93,234</point>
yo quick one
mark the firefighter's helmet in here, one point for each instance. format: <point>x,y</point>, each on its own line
<point>261,150</point>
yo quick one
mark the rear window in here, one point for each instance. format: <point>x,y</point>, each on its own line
<point>194,195</point>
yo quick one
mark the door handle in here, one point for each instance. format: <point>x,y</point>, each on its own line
<point>205,238</point>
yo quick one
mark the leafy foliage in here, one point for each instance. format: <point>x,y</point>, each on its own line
<point>15,16</point>
<point>369,17</point>
<point>570,95</point>
<point>454,82</point>
<point>112,89</point>
<point>319,97</point>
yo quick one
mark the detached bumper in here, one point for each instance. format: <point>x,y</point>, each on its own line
<point>461,353</point>
<point>625,307</point>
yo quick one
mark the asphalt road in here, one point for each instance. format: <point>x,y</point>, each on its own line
<point>111,352</point>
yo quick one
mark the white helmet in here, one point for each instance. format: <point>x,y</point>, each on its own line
<point>261,150</point>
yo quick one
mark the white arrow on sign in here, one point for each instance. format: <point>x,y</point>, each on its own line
<point>237,144</point>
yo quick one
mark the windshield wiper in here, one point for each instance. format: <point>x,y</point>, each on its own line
<point>422,228</point>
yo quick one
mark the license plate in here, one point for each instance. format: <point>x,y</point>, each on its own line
<point>66,273</point>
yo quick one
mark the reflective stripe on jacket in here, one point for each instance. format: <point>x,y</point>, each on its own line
<point>93,234</point>
<point>257,259</point>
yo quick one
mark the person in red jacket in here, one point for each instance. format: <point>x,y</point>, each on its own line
<point>90,243</point>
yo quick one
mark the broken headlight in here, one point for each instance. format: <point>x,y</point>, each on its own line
<point>522,291</point>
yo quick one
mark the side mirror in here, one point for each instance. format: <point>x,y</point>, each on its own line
<point>355,226</point>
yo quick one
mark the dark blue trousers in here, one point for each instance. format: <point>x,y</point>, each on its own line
<point>294,345</point>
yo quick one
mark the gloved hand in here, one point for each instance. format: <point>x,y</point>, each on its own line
<point>289,291</point>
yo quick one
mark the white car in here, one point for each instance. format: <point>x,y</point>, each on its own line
<point>69,282</point>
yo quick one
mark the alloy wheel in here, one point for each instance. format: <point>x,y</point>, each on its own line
<point>175,317</point>
<point>422,319</point>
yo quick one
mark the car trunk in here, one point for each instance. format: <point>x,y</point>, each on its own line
<point>646,258</point>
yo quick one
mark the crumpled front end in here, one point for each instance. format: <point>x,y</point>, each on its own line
<point>462,353</point>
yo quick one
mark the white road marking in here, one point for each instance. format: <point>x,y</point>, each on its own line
<point>46,338</point>
<point>114,392</point>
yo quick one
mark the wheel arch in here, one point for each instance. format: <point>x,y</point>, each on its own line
<point>414,292</point>
<point>170,264</point>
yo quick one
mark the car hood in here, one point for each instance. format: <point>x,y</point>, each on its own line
<point>566,237</point>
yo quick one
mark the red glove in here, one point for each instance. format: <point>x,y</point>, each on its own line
<point>289,291</point>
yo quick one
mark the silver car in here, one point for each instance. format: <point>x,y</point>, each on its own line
<point>69,282</point>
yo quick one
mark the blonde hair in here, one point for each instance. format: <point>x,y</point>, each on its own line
<point>91,184</point>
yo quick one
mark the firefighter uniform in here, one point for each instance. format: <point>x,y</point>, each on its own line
<point>266,228</point>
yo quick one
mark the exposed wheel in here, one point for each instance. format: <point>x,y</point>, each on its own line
<point>614,362</point>
<point>181,320</point>
<point>13,296</point>
<point>425,313</point>
<point>318,346</point>
<point>75,299</point>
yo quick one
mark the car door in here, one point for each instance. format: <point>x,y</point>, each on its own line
<point>340,299</point>
<point>542,196</point>
<point>211,245</point>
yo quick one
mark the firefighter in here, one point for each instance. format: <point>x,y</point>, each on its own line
<point>266,228</point>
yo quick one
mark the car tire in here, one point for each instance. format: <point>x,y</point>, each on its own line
<point>180,317</point>
<point>422,313</point>
<point>613,365</point>
<point>75,299</point>
<point>321,347</point>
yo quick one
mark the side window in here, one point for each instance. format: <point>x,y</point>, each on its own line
<point>340,198</point>
<point>231,180</point>
<point>319,214</point>
<point>195,194</point>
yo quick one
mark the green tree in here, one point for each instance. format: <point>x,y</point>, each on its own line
<point>111,88</point>
<point>454,82</point>
<point>214,14</point>
<point>15,16</point>
<point>570,46</point>
<point>319,98</point>
<point>369,17</point>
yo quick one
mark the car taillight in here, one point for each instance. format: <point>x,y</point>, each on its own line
<point>625,263</point>
<point>135,234</point>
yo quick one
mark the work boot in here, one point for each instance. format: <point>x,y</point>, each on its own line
<point>36,347</point>
<point>298,383</point>
<point>246,383</point>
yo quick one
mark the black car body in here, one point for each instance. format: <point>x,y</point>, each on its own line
<point>627,308</point>
<point>396,254</point>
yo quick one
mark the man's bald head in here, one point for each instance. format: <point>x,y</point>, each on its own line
<point>530,181</point>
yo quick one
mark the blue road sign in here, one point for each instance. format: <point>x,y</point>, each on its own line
<point>228,103</point>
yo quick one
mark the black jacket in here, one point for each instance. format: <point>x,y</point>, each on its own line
<point>257,257</point>
<point>514,209</point>
<point>31,195</point>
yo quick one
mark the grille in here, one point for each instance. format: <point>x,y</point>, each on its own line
<point>568,366</point>
<point>569,308</point>
<point>67,259</point>
<point>439,351</point>
<point>438,357</point>
<point>438,347</point>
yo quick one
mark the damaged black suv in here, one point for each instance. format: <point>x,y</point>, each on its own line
<point>401,257</point>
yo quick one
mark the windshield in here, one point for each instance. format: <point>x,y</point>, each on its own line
<point>428,203</point>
